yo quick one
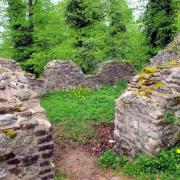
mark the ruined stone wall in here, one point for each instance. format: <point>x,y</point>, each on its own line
<point>26,146</point>
<point>59,75</point>
<point>35,84</point>
<point>165,56</point>
<point>10,64</point>
<point>67,75</point>
<point>62,75</point>
<point>147,117</point>
<point>170,53</point>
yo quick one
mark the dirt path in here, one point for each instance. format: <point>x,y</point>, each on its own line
<point>80,165</point>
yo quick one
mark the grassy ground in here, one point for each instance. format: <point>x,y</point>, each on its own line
<point>77,111</point>
<point>163,166</point>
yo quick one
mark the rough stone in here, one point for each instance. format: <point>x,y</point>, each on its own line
<point>140,123</point>
<point>60,75</point>
<point>7,119</point>
<point>20,117</point>
<point>2,85</point>
<point>2,173</point>
<point>3,76</point>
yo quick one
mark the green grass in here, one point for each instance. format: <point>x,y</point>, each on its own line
<point>164,166</point>
<point>76,111</point>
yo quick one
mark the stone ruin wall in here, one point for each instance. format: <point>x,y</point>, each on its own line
<point>66,75</point>
<point>26,146</point>
<point>60,75</point>
<point>140,125</point>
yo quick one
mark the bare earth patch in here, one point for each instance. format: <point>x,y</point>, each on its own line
<point>79,161</point>
<point>104,140</point>
<point>81,165</point>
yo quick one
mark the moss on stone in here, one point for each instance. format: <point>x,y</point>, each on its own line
<point>146,83</point>
<point>10,133</point>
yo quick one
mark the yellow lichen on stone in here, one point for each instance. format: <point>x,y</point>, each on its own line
<point>2,69</point>
<point>146,92</point>
<point>20,107</point>
<point>143,75</point>
<point>170,64</point>
<point>150,70</point>
<point>159,84</point>
<point>150,89</point>
<point>173,62</point>
<point>147,72</point>
<point>10,133</point>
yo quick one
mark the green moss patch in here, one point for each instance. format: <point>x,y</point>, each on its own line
<point>10,133</point>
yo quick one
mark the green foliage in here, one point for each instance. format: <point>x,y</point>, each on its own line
<point>81,14</point>
<point>53,37</point>
<point>110,160</point>
<point>60,176</point>
<point>21,29</point>
<point>159,21</point>
<point>169,118</point>
<point>165,165</point>
<point>177,20</point>
<point>125,39</point>
<point>74,110</point>
<point>85,17</point>
<point>88,32</point>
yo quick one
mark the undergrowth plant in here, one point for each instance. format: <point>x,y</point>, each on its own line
<point>169,118</point>
<point>60,176</point>
<point>164,166</point>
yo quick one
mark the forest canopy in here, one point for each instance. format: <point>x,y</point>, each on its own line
<point>87,32</point>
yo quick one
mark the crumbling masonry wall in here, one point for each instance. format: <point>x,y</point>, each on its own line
<point>26,146</point>
<point>147,118</point>
<point>59,75</point>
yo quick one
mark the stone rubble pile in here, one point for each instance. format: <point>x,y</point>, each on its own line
<point>26,145</point>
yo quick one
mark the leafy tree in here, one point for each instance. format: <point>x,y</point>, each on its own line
<point>20,14</point>
<point>85,31</point>
<point>159,21</point>
<point>125,40</point>
<point>86,16</point>
<point>53,38</point>
<point>116,27</point>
